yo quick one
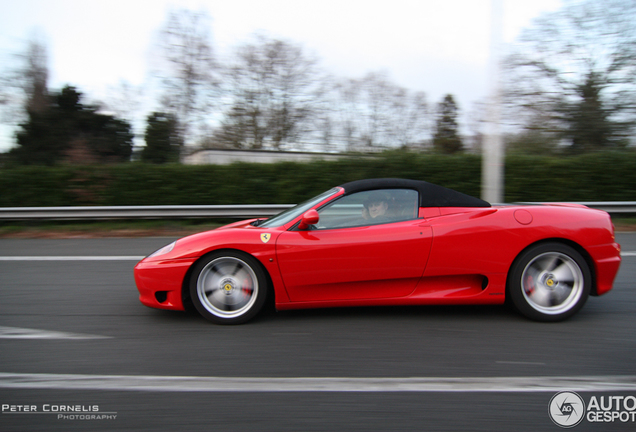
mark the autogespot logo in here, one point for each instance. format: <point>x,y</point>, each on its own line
<point>567,409</point>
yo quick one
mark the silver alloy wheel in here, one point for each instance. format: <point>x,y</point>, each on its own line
<point>227,287</point>
<point>552,283</point>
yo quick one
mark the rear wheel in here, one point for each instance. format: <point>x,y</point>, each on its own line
<point>228,287</point>
<point>549,282</point>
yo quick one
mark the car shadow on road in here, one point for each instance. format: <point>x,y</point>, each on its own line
<point>391,313</point>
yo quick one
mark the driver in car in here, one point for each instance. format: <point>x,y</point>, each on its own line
<point>376,207</point>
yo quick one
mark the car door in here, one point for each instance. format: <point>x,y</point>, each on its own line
<point>349,255</point>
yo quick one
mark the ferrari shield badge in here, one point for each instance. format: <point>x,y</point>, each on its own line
<point>265,237</point>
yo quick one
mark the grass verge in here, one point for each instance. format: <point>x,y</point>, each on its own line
<point>99,229</point>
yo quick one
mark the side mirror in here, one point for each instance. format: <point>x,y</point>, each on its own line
<point>311,217</point>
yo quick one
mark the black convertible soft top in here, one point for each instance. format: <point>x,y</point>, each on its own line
<point>431,195</point>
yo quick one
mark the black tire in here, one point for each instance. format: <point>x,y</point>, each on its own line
<point>228,287</point>
<point>549,282</point>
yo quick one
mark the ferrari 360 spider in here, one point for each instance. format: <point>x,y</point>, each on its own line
<point>389,242</point>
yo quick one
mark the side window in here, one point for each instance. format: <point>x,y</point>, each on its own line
<point>370,208</point>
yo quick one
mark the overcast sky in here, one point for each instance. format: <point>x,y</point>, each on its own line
<point>435,46</point>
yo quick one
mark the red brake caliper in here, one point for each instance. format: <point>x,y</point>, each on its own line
<point>246,288</point>
<point>529,285</point>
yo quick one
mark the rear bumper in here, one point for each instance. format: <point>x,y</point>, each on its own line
<point>160,282</point>
<point>607,260</point>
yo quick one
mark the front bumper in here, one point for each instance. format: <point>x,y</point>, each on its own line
<point>160,282</point>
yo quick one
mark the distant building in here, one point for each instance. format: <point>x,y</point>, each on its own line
<point>228,156</point>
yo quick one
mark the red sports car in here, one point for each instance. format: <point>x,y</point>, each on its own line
<point>389,242</point>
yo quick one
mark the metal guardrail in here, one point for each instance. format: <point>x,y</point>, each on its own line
<point>141,212</point>
<point>198,211</point>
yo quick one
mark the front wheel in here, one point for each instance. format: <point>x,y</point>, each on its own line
<point>549,282</point>
<point>228,287</point>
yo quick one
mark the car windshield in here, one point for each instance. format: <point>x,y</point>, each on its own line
<point>294,212</point>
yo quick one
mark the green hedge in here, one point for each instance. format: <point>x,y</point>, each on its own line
<point>607,176</point>
<point>594,177</point>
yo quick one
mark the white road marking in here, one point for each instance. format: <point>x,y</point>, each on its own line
<point>25,333</point>
<point>252,385</point>
<point>71,258</point>
<point>628,254</point>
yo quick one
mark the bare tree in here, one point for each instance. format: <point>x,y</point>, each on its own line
<point>24,88</point>
<point>124,100</point>
<point>36,74</point>
<point>5,93</point>
<point>373,113</point>
<point>270,91</point>
<point>188,73</point>
<point>410,125</point>
<point>347,113</point>
<point>476,121</point>
<point>574,73</point>
<point>377,94</point>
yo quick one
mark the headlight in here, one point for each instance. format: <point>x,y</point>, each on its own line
<point>163,250</point>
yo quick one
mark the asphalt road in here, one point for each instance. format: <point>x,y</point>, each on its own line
<point>74,336</point>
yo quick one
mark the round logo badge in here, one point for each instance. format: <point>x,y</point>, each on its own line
<point>566,409</point>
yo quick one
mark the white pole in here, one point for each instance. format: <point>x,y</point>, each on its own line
<point>492,165</point>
